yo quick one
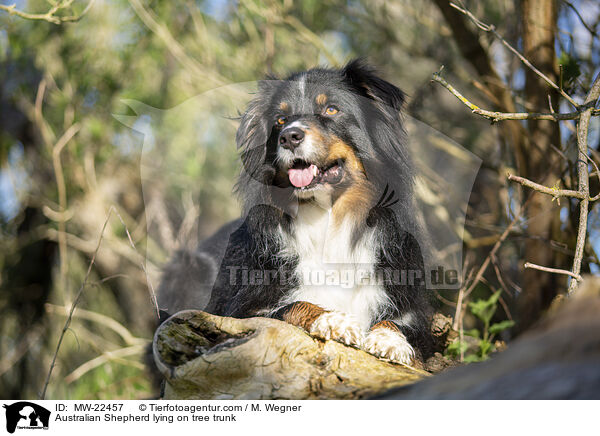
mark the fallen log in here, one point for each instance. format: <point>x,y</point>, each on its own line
<point>203,356</point>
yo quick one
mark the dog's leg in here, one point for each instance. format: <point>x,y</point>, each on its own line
<point>386,340</point>
<point>322,323</point>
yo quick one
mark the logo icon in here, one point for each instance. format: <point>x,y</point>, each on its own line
<point>26,415</point>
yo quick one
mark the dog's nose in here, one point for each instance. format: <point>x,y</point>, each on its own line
<point>291,138</point>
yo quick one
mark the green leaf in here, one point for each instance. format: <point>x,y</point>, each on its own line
<point>501,326</point>
<point>456,348</point>
<point>571,69</point>
<point>485,309</point>
<point>485,347</point>
<point>473,333</point>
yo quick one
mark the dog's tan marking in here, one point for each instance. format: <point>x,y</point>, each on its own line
<point>284,106</point>
<point>303,314</point>
<point>317,138</point>
<point>340,150</point>
<point>321,99</point>
<point>356,200</point>
<point>386,325</point>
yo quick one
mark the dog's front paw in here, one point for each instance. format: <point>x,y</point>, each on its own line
<point>389,344</point>
<point>339,327</point>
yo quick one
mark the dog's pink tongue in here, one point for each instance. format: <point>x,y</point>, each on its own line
<point>301,177</point>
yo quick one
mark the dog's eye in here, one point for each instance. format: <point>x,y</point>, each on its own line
<point>281,120</point>
<point>331,110</point>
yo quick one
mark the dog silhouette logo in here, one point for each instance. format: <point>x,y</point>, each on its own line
<point>26,415</point>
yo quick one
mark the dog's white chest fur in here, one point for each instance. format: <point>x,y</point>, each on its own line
<point>333,272</point>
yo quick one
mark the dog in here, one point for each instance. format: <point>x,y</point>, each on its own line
<point>327,195</point>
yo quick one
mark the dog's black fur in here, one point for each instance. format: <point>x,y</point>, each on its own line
<point>378,193</point>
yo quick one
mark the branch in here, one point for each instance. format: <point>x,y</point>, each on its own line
<point>103,320</point>
<point>50,15</point>
<point>555,193</point>
<point>553,270</point>
<point>62,195</point>
<point>503,116</point>
<point>492,29</point>
<point>462,295</point>
<point>583,177</point>
<point>106,357</point>
<point>588,28</point>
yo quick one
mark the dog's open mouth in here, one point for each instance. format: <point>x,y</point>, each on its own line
<point>304,175</point>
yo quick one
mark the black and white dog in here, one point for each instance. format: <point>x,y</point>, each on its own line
<point>328,240</point>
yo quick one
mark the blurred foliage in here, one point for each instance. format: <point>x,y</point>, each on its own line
<point>483,344</point>
<point>161,53</point>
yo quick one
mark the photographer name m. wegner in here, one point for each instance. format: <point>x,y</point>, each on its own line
<point>343,276</point>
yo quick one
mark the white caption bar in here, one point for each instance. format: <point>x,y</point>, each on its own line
<point>150,417</point>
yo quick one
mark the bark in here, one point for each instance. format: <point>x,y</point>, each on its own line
<point>204,356</point>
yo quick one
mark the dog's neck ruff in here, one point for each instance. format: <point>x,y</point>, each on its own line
<point>336,263</point>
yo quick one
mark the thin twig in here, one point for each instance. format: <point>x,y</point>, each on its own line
<point>505,308</point>
<point>499,276</point>
<point>492,29</point>
<point>503,116</point>
<point>73,18</point>
<point>445,300</point>
<point>553,270</point>
<point>484,266</point>
<point>104,320</point>
<point>38,115</point>
<point>62,196</point>
<point>106,357</point>
<point>458,312</point>
<point>50,15</point>
<point>148,281</point>
<point>555,193</point>
<point>589,29</point>
<point>74,304</point>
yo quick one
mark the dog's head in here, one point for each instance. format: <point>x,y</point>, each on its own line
<point>328,135</point>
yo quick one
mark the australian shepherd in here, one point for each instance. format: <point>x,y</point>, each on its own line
<point>329,236</point>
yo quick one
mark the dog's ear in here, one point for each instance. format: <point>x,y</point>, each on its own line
<point>253,130</point>
<point>255,139</point>
<point>364,79</point>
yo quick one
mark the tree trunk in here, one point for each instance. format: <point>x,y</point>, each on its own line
<point>532,148</point>
<point>541,164</point>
